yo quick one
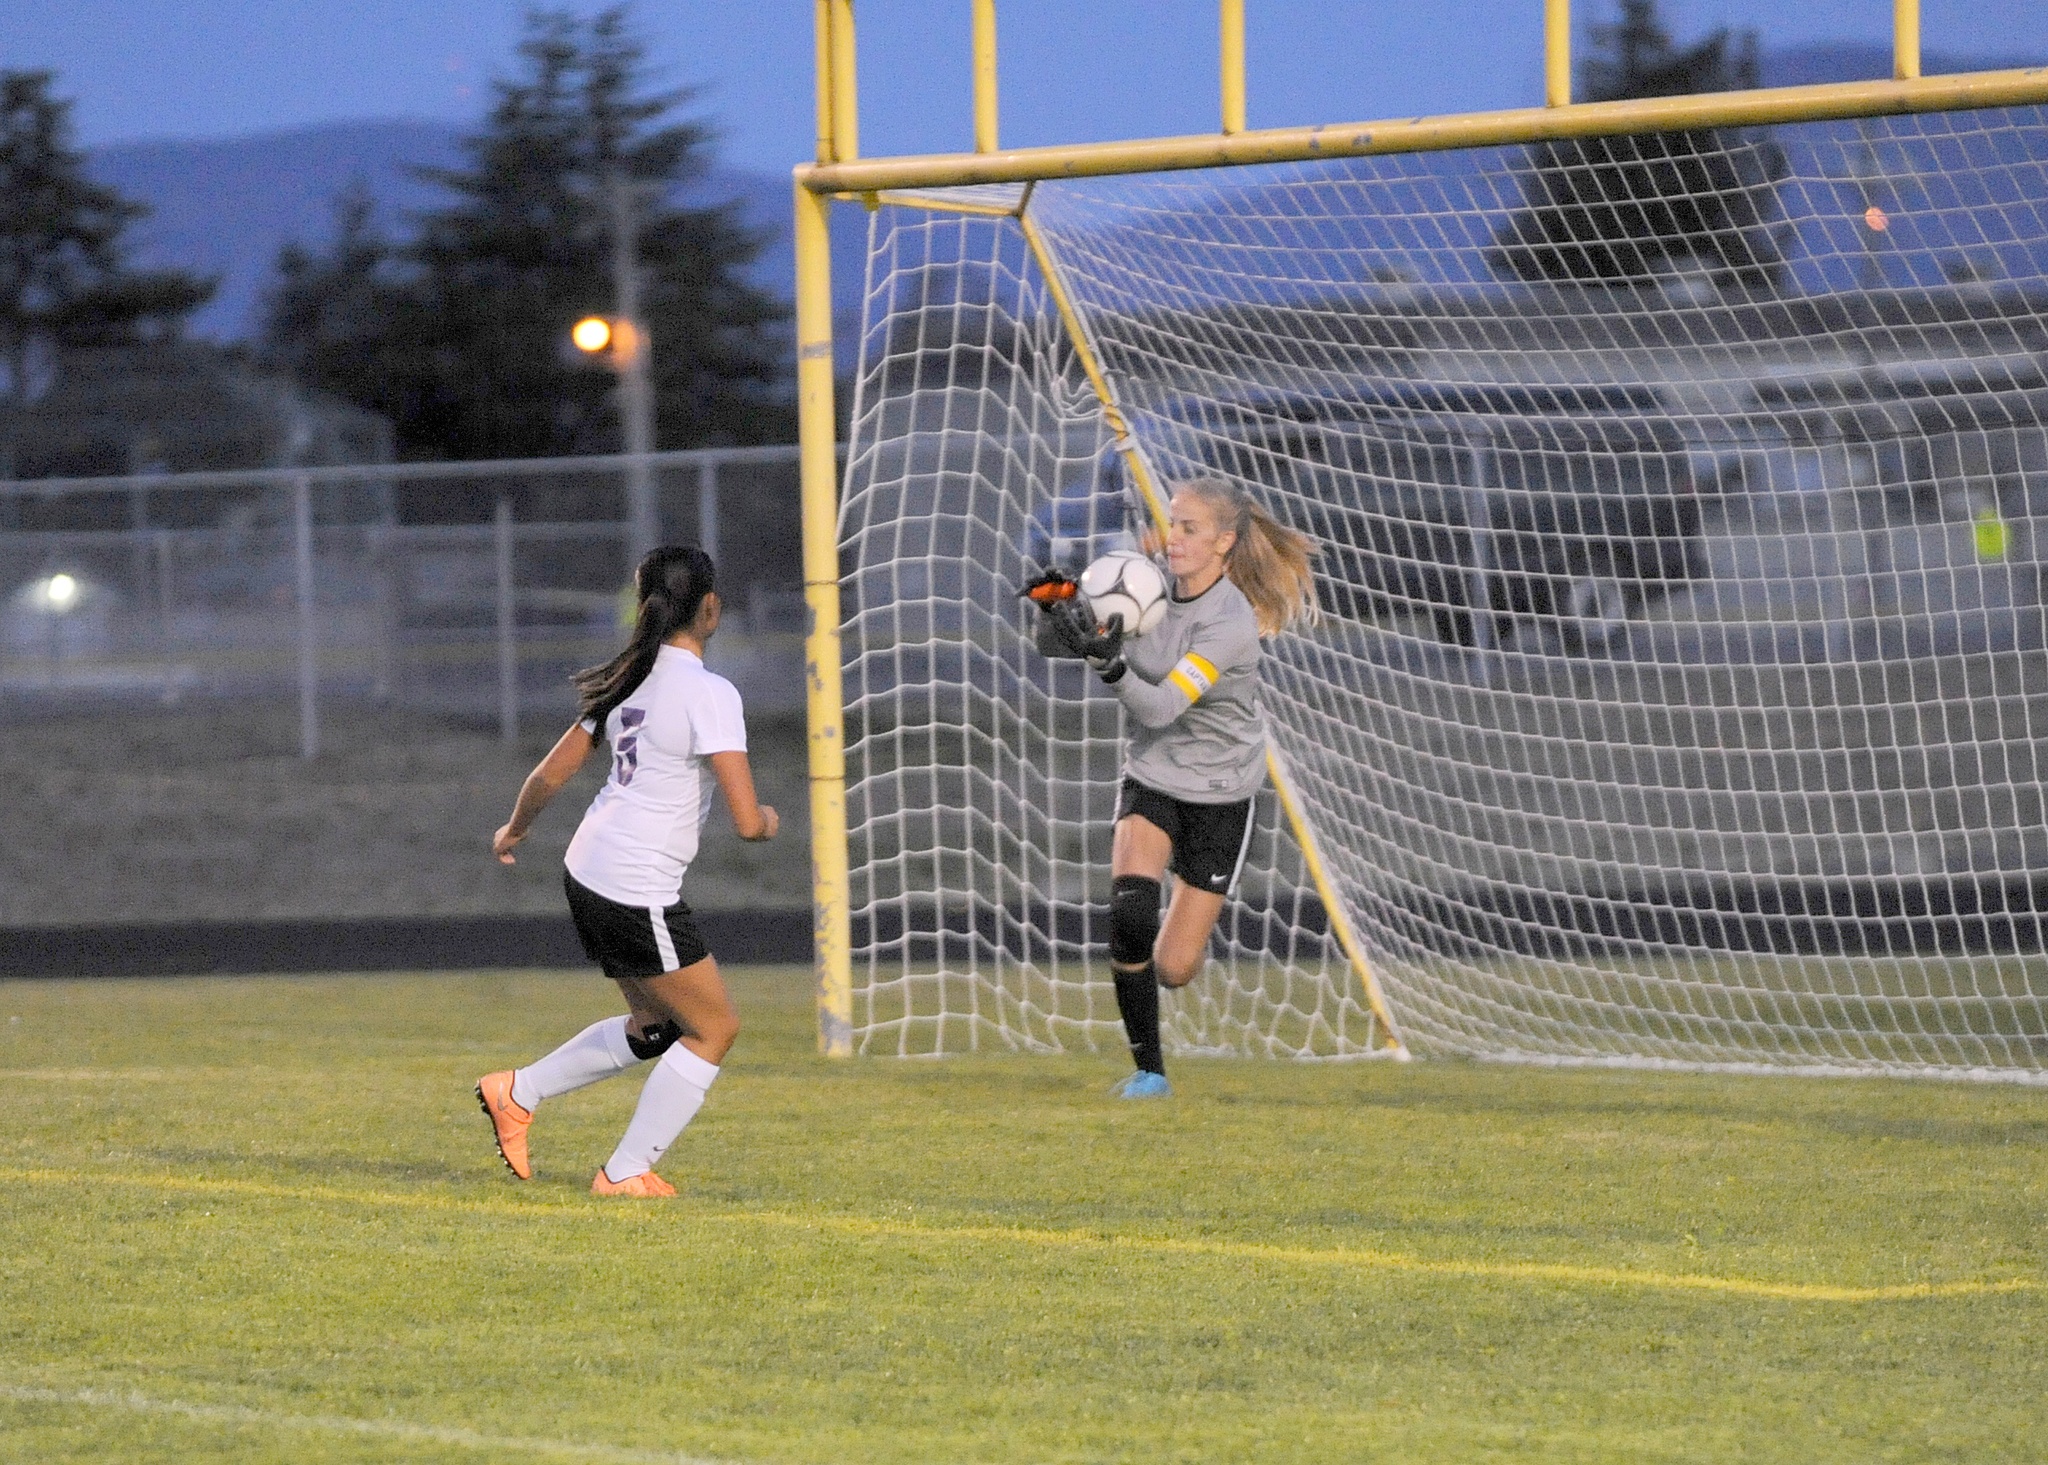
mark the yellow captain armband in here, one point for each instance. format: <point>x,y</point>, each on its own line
<point>1194,675</point>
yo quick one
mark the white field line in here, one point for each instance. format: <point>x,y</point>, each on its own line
<point>393,1429</point>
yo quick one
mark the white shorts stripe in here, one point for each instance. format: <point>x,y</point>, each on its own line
<point>665,945</point>
<point>1251,818</point>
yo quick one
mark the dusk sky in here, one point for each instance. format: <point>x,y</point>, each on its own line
<point>1073,70</point>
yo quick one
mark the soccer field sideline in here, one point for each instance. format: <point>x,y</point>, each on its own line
<point>313,1253</point>
<point>904,1230</point>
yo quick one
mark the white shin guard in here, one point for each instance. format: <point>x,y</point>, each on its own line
<point>674,1093</point>
<point>598,1052</point>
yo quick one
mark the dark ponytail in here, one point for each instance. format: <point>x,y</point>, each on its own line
<point>671,584</point>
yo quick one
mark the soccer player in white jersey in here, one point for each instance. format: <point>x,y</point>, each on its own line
<point>1196,751</point>
<point>676,732</point>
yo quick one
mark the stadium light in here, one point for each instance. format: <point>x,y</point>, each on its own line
<point>1875,220</point>
<point>622,342</point>
<point>613,340</point>
<point>60,592</point>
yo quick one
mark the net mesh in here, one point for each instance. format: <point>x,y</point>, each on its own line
<point>1681,505</point>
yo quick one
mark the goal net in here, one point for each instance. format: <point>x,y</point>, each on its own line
<point>1681,503</point>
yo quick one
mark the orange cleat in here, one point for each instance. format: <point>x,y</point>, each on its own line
<point>494,1093</point>
<point>646,1184</point>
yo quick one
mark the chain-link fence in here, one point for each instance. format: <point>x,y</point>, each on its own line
<point>293,695</point>
<point>466,589</point>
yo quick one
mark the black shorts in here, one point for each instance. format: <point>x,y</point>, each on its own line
<point>633,940</point>
<point>1209,840</point>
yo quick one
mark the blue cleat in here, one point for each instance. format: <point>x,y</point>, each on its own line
<point>1144,1085</point>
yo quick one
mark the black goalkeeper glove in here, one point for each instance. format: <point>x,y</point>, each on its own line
<point>1102,647</point>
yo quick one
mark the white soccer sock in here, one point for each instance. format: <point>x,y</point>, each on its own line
<point>599,1051</point>
<point>674,1093</point>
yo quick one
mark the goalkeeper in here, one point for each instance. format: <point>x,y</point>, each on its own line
<point>1196,752</point>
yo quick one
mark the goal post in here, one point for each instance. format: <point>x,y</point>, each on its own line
<point>824,697</point>
<point>1684,627</point>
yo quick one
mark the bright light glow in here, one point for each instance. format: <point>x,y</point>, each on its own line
<point>593,333</point>
<point>60,590</point>
<point>1874,220</point>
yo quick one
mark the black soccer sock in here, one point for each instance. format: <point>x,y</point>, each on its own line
<point>1137,1000</point>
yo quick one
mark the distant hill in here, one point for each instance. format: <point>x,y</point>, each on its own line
<point>227,206</point>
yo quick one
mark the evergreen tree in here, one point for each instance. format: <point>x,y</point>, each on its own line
<point>1625,209</point>
<point>458,335</point>
<point>329,314</point>
<point>63,280</point>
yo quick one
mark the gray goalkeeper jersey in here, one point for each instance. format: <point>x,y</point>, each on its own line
<point>1192,698</point>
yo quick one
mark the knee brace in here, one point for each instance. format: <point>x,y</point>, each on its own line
<point>1133,919</point>
<point>655,1042</point>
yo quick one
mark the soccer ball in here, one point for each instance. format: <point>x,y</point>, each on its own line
<point>1126,583</point>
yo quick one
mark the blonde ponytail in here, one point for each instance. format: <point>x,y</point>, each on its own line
<point>1269,562</point>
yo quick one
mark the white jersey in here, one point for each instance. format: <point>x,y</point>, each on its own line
<point>640,832</point>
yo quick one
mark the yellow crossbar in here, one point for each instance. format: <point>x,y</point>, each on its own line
<point>1439,134</point>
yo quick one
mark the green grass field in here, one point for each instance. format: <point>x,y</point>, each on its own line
<point>261,1220</point>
